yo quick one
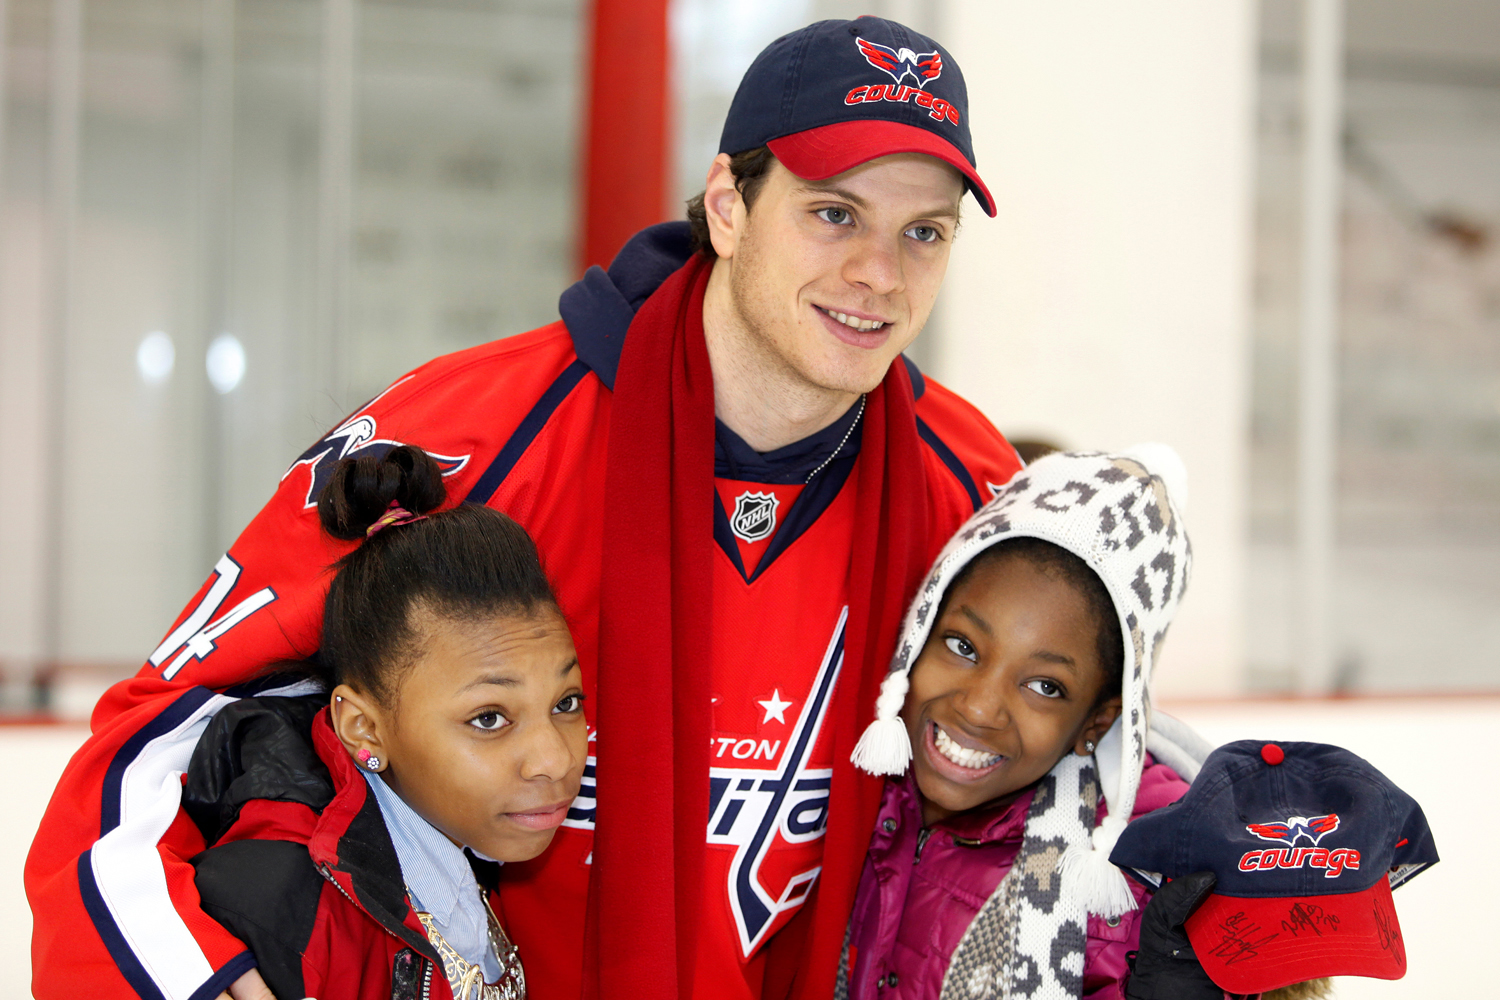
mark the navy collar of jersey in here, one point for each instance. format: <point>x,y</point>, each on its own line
<point>734,459</point>
<point>599,307</point>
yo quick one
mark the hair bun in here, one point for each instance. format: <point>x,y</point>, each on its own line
<point>363,488</point>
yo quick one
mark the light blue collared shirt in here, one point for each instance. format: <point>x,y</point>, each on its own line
<point>438,878</point>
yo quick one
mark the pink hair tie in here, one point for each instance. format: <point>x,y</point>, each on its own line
<point>394,515</point>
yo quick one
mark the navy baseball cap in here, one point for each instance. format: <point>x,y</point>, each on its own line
<point>1306,842</point>
<point>839,93</point>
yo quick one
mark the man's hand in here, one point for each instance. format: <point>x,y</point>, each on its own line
<point>1165,967</point>
<point>248,987</point>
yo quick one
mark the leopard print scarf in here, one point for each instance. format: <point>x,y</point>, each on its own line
<point>1027,940</point>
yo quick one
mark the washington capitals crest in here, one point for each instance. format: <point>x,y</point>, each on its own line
<point>922,67</point>
<point>358,435</point>
<point>1314,828</point>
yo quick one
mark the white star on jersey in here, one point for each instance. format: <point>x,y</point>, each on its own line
<point>775,708</point>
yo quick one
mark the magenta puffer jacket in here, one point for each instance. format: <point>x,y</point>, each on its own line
<point>922,887</point>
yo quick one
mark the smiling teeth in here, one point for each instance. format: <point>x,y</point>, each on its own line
<point>854,322</point>
<point>962,756</point>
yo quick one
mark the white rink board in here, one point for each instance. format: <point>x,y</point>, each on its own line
<point>32,758</point>
<point>1427,746</point>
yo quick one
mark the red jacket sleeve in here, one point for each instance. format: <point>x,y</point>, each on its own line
<point>116,912</point>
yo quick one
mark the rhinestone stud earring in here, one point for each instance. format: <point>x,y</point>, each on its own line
<point>1088,745</point>
<point>369,761</point>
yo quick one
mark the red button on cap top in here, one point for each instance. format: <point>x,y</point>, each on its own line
<point>1272,754</point>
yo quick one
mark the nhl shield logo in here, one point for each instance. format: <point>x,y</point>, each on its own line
<point>754,516</point>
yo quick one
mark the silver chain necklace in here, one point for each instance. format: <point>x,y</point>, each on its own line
<point>835,453</point>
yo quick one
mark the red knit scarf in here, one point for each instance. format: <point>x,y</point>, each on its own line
<point>654,679</point>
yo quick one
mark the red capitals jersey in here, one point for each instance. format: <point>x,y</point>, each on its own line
<point>522,425</point>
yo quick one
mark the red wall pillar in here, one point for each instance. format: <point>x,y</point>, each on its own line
<point>626,164</point>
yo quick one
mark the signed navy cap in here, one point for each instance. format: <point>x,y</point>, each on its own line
<point>839,93</point>
<point>1306,842</point>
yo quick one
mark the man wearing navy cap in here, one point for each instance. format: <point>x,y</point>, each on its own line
<point>735,486</point>
<point>850,140</point>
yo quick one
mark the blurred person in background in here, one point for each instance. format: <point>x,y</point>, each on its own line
<point>735,482</point>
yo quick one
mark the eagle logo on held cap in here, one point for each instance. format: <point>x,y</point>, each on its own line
<point>899,63</point>
<point>1296,827</point>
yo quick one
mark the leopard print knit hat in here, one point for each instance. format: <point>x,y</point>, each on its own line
<point>1121,514</point>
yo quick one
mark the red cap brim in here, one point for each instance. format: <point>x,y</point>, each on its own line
<point>820,153</point>
<point>1255,945</point>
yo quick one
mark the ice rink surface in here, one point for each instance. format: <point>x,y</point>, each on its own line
<point>1441,750</point>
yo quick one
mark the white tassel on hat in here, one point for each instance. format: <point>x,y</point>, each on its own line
<point>1086,868</point>
<point>884,747</point>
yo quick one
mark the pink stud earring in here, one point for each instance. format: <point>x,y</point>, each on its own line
<point>369,761</point>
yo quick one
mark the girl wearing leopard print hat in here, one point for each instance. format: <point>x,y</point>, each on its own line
<point>1017,724</point>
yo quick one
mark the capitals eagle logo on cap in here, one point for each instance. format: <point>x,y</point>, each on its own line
<point>1314,829</point>
<point>922,66</point>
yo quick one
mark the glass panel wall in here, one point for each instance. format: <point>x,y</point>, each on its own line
<point>1416,599</point>
<point>279,207</point>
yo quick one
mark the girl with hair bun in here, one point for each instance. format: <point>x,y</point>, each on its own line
<point>447,734</point>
